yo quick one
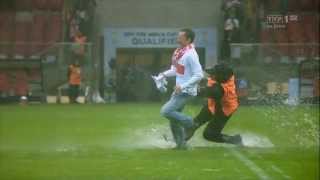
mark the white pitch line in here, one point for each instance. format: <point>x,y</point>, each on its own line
<point>250,164</point>
<point>273,167</point>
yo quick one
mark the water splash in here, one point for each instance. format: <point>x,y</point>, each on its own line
<point>300,124</point>
<point>159,136</point>
<point>254,140</point>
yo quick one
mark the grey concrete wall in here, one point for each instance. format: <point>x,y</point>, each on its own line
<point>157,13</point>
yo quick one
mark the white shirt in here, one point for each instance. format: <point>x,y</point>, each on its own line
<point>189,72</point>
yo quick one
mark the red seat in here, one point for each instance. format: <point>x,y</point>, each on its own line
<point>55,26</point>
<point>311,24</point>
<point>312,35</point>
<point>307,5</point>
<point>266,36</point>
<point>4,81</point>
<point>303,5</point>
<point>296,35</point>
<point>37,34</point>
<point>296,32</point>
<point>298,51</point>
<point>293,5</point>
<point>313,50</point>
<point>6,5</point>
<point>22,31</point>
<point>34,74</point>
<point>316,5</point>
<point>274,5</point>
<point>22,5</point>
<point>311,27</point>
<point>282,37</point>
<point>21,83</point>
<point>304,31</point>
<point>55,5</point>
<point>40,4</point>
<point>6,33</point>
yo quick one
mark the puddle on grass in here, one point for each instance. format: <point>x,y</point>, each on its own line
<point>159,136</point>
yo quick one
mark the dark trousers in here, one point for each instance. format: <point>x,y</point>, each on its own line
<point>73,92</point>
<point>215,126</point>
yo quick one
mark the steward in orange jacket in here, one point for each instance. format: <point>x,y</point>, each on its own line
<point>221,104</point>
<point>74,77</point>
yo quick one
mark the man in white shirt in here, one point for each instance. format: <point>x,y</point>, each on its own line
<point>230,27</point>
<point>188,72</point>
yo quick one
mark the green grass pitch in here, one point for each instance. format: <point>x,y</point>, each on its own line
<point>125,141</point>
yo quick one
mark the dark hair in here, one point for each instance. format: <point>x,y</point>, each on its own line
<point>222,72</point>
<point>189,34</point>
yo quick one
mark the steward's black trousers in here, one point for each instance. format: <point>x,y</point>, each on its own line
<point>215,126</point>
<point>217,120</point>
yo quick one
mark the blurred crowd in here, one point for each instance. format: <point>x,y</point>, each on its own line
<point>232,18</point>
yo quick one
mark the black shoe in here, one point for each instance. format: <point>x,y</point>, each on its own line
<point>181,147</point>
<point>190,132</point>
<point>236,140</point>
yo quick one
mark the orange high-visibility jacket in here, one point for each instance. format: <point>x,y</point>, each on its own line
<point>229,99</point>
<point>75,75</point>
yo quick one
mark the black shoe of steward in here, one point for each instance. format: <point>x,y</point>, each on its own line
<point>190,132</point>
<point>236,140</point>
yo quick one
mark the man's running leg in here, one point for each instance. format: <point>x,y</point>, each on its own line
<point>172,110</point>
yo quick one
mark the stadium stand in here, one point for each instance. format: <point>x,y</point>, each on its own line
<point>40,4</point>
<point>27,28</point>
<point>4,81</point>
<point>21,39</point>
<point>21,83</point>
<point>37,34</point>
<point>6,33</point>
<point>23,5</point>
<point>55,26</point>
<point>30,31</point>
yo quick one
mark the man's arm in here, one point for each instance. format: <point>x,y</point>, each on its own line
<point>196,70</point>
<point>169,73</point>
